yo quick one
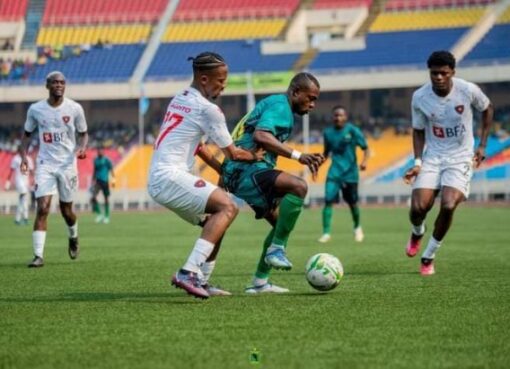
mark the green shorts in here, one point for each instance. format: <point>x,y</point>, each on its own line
<point>349,191</point>
<point>254,184</point>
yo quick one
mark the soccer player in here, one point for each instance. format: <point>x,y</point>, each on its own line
<point>442,114</point>
<point>341,140</point>
<point>58,120</point>
<point>21,183</point>
<point>102,169</point>
<point>190,116</point>
<point>274,195</point>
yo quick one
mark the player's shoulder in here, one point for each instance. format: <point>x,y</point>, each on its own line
<point>72,103</point>
<point>277,101</point>
<point>353,127</point>
<point>38,105</point>
<point>464,87</point>
<point>423,91</point>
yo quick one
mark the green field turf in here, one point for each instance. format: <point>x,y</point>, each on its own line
<point>114,307</point>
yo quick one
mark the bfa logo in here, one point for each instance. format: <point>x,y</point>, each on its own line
<point>200,183</point>
<point>459,109</point>
<point>66,119</point>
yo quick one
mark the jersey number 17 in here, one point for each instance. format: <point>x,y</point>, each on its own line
<point>171,121</point>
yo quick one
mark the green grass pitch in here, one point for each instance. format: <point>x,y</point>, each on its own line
<point>114,306</point>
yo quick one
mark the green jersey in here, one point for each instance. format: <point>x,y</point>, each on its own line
<point>102,167</point>
<point>341,143</point>
<point>272,114</point>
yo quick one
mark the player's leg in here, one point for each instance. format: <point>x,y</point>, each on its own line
<point>95,204</point>
<point>206,271</point>
<point>292,191</point>
<point>106,194</point>
<point>39,232</point>
<point>331,197</point>
<point>260,283</point>
<point>24,211</point>
<point>67,184</point>
<point>455,189</point>
<point>422,200</point>
<point>351,197</point>
<point>19,209</point>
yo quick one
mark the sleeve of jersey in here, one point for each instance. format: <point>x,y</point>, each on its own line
<point>360,138</point>
<point>79,120</point>
<point>215,127</point>
<point>31,122</point>
<point>418,118</point>
<point>271,118</point>
<point>478,99</point>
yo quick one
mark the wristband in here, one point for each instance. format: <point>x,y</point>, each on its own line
<point>295,155</point>
<point>417,162</point>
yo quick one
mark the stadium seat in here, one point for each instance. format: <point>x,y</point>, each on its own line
<point>12,11</point>
<point>339,4</point>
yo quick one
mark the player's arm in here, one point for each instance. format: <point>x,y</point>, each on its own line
<point>8,179</point>
<point>25,143</point>
<point>83,136</point>
<point>362,143</point>
<point>364,160</point>
<point>208,157</point>
<point>270,143</point>
<point>487,115</point>
<point>327,147</point>
<point>419,121</point>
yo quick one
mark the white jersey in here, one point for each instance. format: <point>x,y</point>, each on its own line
<point>21,181</point>
<point>448,121</point>
<point>57,130</point>
<point>189,117</point>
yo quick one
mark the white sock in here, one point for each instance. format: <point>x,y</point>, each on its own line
<point>207,269</point>
<point>38,240</point>
<point>73,230</point>
<point>273,247</point>
<point>430,251</point>
<point>419,230</point>
<point>199,255</point>
<point>257,282</point>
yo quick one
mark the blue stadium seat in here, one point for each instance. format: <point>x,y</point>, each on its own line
<point>171,58</point>
<point>97,65</point>
<point>391,49</point>
<point>491,47</point>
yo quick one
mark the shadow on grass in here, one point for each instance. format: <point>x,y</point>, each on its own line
<point>136,297</point>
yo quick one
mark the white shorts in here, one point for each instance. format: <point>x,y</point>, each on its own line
<point>182,192</point>
<point>452,172</point>
<point>52,180</point>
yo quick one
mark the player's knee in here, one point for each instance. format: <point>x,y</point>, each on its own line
<point>231,209</point>
<point>43,211</point>
<point>301,188</point>
<point>448,205</point>
<point>419,206</point>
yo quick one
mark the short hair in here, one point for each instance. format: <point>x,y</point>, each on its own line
<point>50,76</point>
<point>207,61</point>
<point>441,58</point>
<point>336,107</point>
<point>303,79</point>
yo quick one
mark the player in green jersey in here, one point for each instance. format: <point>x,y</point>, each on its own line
<point>274,195</point>
<point>102,169</point>
<point>340,141</point>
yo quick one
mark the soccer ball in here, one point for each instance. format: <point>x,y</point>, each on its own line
<point>324,271</point>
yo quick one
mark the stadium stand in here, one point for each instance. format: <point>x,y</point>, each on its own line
<point>338,4</point>
<point>12,11</point>
<point>490,47</point>
<point>396,5</point>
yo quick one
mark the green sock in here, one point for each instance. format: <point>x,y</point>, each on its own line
<point>327,214</point>
<point>355,216</point>
<point>290,208</point>
<point>96,209</point>
<point>263,269</point>
<point>107,210</point>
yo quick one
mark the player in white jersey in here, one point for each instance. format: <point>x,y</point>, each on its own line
<point>22,186</point>
<point>189,118</point>
<point>442,114</point>
<point>58,120</point>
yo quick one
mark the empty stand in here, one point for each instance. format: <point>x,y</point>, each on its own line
<point>336,4</point>
<point>13,10</point>
<point>490,47</point>
<point>171,59</point>
<point>432,4</point>
<point>189,10</point>
<point>59,12</point>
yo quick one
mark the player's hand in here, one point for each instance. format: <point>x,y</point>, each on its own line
<point>259,154</point>
<point>24,166</point>
<point>411,174</point>
<point>363,166</point>
<point>479,156</point>
<point>313,162</point>
<point>7,186</point>
<point>113,182</point>
<point>81,153</point>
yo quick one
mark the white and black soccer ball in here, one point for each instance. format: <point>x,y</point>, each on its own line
<point>324,271</point>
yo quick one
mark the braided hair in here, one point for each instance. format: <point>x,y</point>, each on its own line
<point>207,61</point>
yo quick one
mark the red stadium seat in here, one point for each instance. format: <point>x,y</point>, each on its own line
<point>11,11</point>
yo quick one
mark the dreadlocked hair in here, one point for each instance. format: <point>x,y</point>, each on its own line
<point>207,61</point>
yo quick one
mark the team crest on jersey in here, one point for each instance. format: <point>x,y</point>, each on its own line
<point>200,183</point>
<point>459,109</point>
<point>66,119</point>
